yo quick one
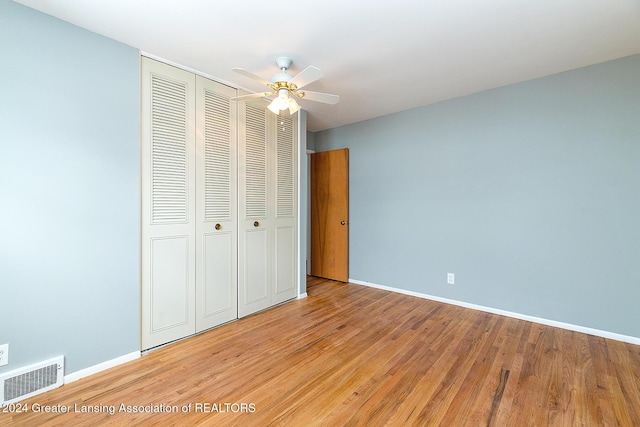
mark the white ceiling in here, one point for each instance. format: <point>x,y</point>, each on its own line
<point>380,56</point>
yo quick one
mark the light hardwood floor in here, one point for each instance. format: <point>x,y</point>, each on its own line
<point>351,355</point>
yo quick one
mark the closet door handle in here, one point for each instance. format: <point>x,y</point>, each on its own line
<point>256,224</point>
<point>218,226</point>
<point>342,222</point>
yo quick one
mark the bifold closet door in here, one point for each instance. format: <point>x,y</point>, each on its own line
<point>255,258</point>
<point>168,201</point>
<point>285,209</point>
<point>216,205</point>
<point>267,195</point>
<point>189,204</point>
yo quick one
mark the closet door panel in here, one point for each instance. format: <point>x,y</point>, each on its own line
<point>284,284</point>
<point>216,216</point>
<point>217,295</point>
<point>168,198</point>
<point>254,273</point>
<point>256,269</point>
<point>285,222</point>
<point>170,284</point>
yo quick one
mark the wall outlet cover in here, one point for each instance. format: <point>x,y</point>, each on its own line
<point>450,278</point>
<point>4,354</point>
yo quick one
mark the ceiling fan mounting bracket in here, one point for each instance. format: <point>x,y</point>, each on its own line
<point>284,62</point>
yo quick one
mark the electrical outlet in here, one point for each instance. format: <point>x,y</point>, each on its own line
<point>4,354</point>
<point>451,278</point>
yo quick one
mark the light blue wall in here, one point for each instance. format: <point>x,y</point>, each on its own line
<point>529,193</point>
<point>69,192</point>
<point>311,140</point>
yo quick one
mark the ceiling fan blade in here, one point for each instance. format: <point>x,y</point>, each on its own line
<point>251,76</point>
<point>306,76</point>
<point>253,95</point>
<point>327,98</point>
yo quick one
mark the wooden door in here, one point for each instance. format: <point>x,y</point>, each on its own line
<point>168,200</point>
<point>330,214</point>
<point>216,214</point>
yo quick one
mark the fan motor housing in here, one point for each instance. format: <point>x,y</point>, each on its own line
<point>281,77</point>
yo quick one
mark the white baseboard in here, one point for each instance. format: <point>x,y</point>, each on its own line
<point>100,367</point>
<point>568,326</point>
<point>304,295</point>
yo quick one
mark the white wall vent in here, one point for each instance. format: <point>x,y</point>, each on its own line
<point>30,380</point>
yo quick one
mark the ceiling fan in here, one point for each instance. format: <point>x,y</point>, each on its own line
<point>287,87</point>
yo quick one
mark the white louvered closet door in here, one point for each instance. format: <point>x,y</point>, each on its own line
<point>168,201</point>
<point>286,207</point>
<point>216,213</point>
<point>267,207</point>
<point>254,261</point>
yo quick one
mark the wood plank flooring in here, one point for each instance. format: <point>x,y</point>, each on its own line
<point>350,355</point>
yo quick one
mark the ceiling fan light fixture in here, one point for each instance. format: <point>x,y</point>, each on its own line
<point>274,107</point>
<point>293,106</point>
<point>282,102</point>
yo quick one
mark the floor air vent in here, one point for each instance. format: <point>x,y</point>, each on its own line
<point>25,382</point>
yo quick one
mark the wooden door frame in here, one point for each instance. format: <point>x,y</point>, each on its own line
<point>308,248</point>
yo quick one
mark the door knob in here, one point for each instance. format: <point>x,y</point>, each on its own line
<point>256,223</point>
<point>218,226</point>
<point>342,222</point>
